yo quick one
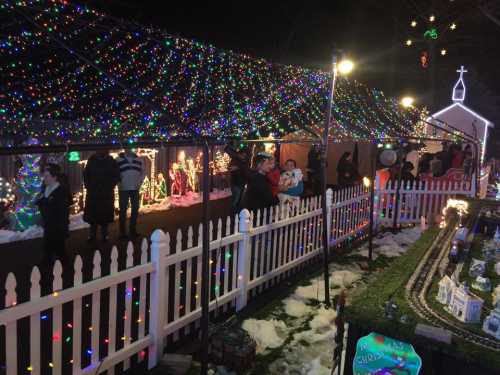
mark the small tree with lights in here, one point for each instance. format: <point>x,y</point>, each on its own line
<point>28,184</point>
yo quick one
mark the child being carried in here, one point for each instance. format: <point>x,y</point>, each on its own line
<point>291,184</point>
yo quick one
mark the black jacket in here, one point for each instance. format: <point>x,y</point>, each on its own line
<point>55,211</point>
<point>347,173</point>
<point>314,161</point>
<point>100,177</point>
<point>259,194</point>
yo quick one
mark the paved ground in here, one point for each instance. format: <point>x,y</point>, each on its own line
<point>20,257</point>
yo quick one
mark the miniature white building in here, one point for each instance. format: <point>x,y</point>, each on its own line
<point>496,295</point>
<point>446,287</point>
<point>464,305</point>
<point>477,268</point>
<point>482,283</point>
<point>496,237</point>
<point>461,117</point>
<point>491,324</point>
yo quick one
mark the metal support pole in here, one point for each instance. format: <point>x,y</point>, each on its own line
<point>205,288</point>
<point>398,190</point>
<point>324,156</point>
<point>372,202</point>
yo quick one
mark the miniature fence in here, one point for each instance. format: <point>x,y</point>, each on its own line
<point>416,199</point>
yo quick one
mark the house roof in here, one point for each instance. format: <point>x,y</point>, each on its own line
<point>463,107</point>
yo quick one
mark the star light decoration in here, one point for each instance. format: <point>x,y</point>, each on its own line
<point>435,29</point>
<point>72,74</point>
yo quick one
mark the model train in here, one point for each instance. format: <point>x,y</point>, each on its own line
<point>459,245</point>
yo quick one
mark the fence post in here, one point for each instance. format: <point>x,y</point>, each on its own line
<point>244,257</point>
<point>377,203</point>
<point>160,243</point>
<point>329,208</point>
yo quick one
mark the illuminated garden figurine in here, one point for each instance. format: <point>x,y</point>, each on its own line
<point>390,309</point>
<point>191,175</point>
<point>179,180</point>
<point>145,192</point>
<point>160,187</point>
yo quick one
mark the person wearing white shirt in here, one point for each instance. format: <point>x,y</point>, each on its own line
<point>131,178</point>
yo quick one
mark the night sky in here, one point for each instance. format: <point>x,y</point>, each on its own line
<point>371,32</point>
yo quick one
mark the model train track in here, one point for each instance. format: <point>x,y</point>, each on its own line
<point>418,286</point>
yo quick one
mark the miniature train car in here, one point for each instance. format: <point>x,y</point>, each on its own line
<point>459,245</point>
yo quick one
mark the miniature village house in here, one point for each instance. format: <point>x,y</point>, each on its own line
<point>491,324</point>
<point>446,286</point>
<point>464,305</point>
<point>459,301</point>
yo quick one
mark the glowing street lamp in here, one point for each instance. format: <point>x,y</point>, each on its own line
<point>409,42</point>
<point>338,67</point>
<point>432,18</point>
<point>413,23</point>
<point>345,67</point>
<point>407,101</point>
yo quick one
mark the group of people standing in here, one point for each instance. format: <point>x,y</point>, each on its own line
<point>101,175</point>
<point>264,185</point>
<point>452,155</point>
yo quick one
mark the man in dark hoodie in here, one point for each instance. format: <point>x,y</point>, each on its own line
<point>259,194</point>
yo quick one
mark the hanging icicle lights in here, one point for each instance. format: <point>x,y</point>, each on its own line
<point>70,73</point>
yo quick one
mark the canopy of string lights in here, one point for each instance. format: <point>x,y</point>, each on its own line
<point>70,73</point>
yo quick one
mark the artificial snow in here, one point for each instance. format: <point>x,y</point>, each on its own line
<point>266,333</point>
<point>323,318</point>
<point>316,368</point>
<point>344,278</point>
<point>295,307</point>
<point>392,245</point>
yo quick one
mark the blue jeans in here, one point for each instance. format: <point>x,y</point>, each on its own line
<point>237,196</point>
<point>125,196</point>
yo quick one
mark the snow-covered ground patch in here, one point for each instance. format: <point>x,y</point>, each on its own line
<point>267,333</point>
<point>392,245</point>
<point>295,307</point>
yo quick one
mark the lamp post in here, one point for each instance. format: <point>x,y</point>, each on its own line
<point>343,67</point>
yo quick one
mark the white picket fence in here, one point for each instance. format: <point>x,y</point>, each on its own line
<point>416,199</point>
<point>118,319</point>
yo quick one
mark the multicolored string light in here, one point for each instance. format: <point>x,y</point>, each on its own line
<point>72,74</point>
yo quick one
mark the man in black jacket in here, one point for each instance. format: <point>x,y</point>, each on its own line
<point>259,194</point>
<point>100,176</point>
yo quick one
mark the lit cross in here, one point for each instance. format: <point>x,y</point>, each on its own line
<point>461,71</point>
